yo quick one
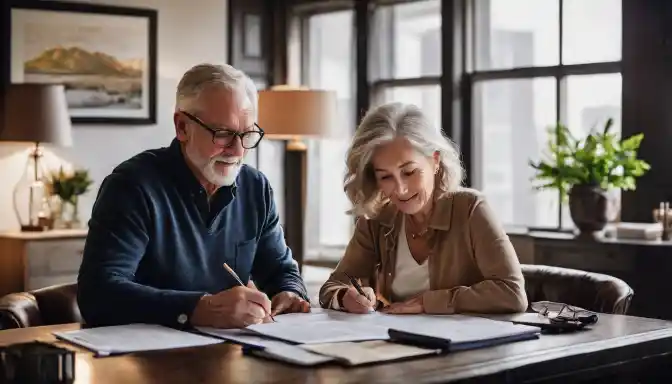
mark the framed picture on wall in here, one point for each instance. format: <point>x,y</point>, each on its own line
<point>105,56</point>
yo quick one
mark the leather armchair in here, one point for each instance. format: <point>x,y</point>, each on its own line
<point>592,291</point>
<point>45,306</point>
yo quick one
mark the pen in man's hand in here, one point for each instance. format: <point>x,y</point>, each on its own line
<point>235,276</point>
<point>355,283</point>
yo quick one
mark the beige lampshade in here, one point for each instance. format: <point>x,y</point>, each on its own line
<point>286,112</point>
<point>36,113</point>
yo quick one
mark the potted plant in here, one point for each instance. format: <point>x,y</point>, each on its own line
<point>68,186</point>
<point>584,170</point>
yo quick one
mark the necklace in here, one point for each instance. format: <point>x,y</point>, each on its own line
<point>416,234</point>
<point>419,234</point>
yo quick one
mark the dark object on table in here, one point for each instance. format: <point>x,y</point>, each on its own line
<point>559,317</point>
<point>36,363</point>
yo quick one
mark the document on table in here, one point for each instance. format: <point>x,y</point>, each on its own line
<point>348,353</point>
<point>327,326</point>
<point>119,339</point>
<point>369,351</point>
<point>260,345</point>
<point>321,331</point>
<point>351,339</point>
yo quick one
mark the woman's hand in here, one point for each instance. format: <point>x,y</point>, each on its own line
<point>353,302</point>
<point>409,306</point>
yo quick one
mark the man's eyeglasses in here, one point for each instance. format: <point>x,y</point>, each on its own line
<point>225,137</point>
<point>562,313</point>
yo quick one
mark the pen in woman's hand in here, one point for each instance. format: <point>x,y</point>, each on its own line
<point>235,276</point>
<point>355,284</point>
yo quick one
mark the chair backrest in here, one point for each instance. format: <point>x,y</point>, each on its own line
<point>592,291</point>
<point>46,306</point>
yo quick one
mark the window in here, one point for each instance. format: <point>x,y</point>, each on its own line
<point>328,63</point>
<point>512,117</point>
<point>538,62</point>
<point>427,97</point>
<point>516,33</point>
<point>406,55</point>
<point>407,38</point>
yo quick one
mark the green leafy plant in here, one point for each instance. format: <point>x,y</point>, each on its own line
<point>69,186</point>
<point>601,159</point>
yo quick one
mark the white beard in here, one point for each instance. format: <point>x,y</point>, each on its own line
<point>218,178</point>
<point>207,167</point>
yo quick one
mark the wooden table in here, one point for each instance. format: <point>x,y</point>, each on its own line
<point>617,347</point>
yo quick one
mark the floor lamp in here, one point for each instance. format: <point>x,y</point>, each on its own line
<point>290,114</point>
<point>35,113</point>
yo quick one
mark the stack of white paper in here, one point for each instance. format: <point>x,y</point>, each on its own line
<point>133,338</point>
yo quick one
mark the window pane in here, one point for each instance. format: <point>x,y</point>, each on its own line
<point>426,97</point>
<point>330,66</point>
<point>407,40</point>
<point>591,31</point>
<point>591,100</point>
<point>511,120</point>
<point>516,33</point>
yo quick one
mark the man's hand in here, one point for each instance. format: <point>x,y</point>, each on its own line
<point>288,302</point>
<point>353,302</point>
<point>409,306</point>
<point>237,307</point>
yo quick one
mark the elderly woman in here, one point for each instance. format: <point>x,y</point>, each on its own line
<point>422,244</point>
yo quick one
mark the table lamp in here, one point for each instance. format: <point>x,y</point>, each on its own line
<point>290,113</point>
<point>35,113</point>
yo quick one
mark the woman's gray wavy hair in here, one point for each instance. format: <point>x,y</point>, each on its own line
<point>381,125</point>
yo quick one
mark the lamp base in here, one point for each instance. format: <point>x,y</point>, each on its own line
<point>296,144</point>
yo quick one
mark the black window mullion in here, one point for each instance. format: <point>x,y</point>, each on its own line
<point>548,71</point>
<point>559,101</point>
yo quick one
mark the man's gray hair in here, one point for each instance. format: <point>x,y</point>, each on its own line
<point>205,75</point>
<point>381,125</point>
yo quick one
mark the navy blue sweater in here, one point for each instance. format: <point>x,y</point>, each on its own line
<point>156,245</point>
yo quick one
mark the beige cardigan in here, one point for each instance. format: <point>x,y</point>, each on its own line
<point>473,266</point>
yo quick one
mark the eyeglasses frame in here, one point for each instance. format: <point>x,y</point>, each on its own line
<point>571,314</point>
<point>214,131</point>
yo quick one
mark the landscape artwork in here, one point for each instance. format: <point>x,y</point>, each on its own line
<point>102,60</point>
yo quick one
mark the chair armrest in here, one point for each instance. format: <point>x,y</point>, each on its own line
<point>19,310</point>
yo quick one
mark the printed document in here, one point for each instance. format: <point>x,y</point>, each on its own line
<point>119,339</point>
<point>329,326</point>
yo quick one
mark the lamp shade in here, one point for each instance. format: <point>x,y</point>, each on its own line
<point>291,112</point>
<point>36,113</point>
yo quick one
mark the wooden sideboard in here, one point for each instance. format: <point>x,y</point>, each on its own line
<point>645,265</point>
<point>31,260</point>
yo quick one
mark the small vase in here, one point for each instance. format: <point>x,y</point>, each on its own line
<point>70,213</point>
<point>588,205</point>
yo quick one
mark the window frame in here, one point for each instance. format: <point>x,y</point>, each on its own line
<point>560,72</point>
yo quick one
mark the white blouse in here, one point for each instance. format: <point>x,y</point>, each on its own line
<point>410,278</point>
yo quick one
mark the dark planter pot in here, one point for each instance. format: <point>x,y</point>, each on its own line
<point>588,205</point>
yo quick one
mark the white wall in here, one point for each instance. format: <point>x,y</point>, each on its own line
<point>189,32</point>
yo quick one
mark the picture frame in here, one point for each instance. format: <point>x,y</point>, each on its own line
<point>106,56</point>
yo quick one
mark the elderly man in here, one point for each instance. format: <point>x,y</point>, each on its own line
<point>167,220</point>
